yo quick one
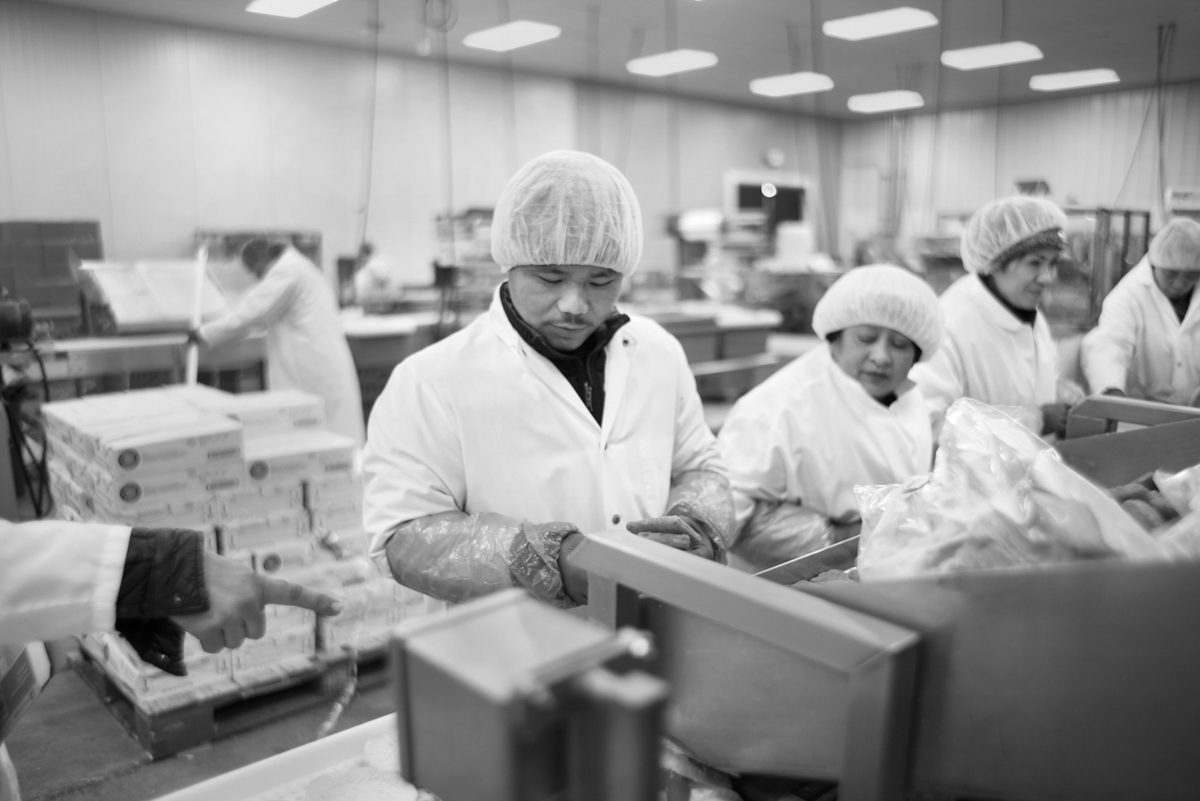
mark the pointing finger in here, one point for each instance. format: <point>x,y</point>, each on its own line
<point>278,591</point>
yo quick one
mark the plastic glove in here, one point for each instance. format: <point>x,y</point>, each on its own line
<point>705,500</point>
<point>677,531</point>
<point>778,532</point>
<point>236,597</point>
<point>1054,419</point>
<point>574,579</point>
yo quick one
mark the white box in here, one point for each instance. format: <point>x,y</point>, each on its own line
<point>256,500</point>
<point>174,513</point>
<point>170,442</point>
<point>332,490</point>
<point>314,455</point>
<point>282,557</point>
<point>261,532</point>
<point>263,414</point>
<point>298,641</point>
<point>195,484</point>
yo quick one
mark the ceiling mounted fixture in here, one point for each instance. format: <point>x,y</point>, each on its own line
<point>1058,81</point>
<point>896,100</point>
<point>287,8</point>
<point>797,83</point>
<point>879,23</point>
<point>993,55</point>
<point>511,35</point>
<point>671,63</point>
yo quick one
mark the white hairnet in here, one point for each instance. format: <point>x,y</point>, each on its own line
<point>883,295</point>
<point>1007,229</point>
<point>567,207</point>
<point>1177,246</point>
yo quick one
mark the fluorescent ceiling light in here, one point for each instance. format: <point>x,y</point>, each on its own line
<point>879,23</point>
<point>1058,81</point>
<point>993,55</point>
<point>885,101</point>
<point>671,62</point>
<point>797,83</point>
<point>512,35</point>
<point>287,8</point>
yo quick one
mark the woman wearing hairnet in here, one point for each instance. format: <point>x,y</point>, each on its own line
<point>1147,344</point>
<point>998,349</point>
<point>491,452</point>
<point>306,348</point>
<point>845,413</point>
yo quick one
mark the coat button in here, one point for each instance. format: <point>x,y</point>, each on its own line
<point>616,519</point>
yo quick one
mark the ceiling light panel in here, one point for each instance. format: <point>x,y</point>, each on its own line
<point>993,55</point>
<point>879,102</point>
<point>672,63</point>
<point>510,36</point>
<point>879,23</point>
<point>1058,81</point>
<point>796,83</point>
<point>287,8</point>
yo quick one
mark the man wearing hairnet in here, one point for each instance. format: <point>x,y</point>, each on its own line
<point>491,453</point>
<point>1147,344</point>
<point>843,414</point>
<point>997,348</point>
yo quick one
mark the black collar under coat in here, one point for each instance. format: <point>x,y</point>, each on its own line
<point>583,367</point>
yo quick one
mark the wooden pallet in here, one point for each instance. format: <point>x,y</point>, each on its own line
<point>165,733</point>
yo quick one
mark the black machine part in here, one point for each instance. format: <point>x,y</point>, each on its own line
<point>16,319</point>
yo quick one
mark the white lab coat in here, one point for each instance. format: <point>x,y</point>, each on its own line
<point>987,354</point>
<point>1140,346</point>
<point>306,348</point>
<point>809,433</point>
<point>377,281</point>
<point>481,422</point>
<point>58,579</point>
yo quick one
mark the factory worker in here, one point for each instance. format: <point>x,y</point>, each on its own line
<point>845,413</point>
<point>306,348</point>
<point>376,280</point>
<point>491,453</point>
<point>59,579</point>
<point>997,348</point>
<point>1147,344</point>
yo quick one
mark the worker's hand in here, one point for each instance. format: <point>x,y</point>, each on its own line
<point>236,597</point>
<point>1054,419</point>
<point>575,579</point>
<point>1119,393</point>
<point>675,531</point>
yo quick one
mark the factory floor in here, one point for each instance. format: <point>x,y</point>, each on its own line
<point>69,746</point>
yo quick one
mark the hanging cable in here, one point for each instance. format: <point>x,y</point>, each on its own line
<point>636,42</point>
<point>510,95</point>
<point>1166,42</point>
<point>369,148</point>
<point>674,171</point>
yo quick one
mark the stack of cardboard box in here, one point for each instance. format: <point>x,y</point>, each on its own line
<point>267,484</point>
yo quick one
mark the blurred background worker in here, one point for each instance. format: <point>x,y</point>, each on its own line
<point>306,348</point>
<point>375,281</point>
<point>998,349</point>
<point>1147,343</point>
<point>492,451</point>
<point>843,414</point>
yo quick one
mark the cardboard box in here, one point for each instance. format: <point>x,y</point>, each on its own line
<point>265,414</point>
<point>298,641</point>
<point>174,513</point>
<point>193,485</point>
<point>170,442</point>
<point>256,500</point>
<point>261,532</point>
<point>314,455</point>
<point>332,490</point>
<point>208,674</point>
<point>338,518</point>
<point>282,557</point>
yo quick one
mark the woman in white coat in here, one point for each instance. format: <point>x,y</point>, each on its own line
<point>998,348</point>
<point>306,348</point>
<point>843,414</point>
<point>1147,343</point>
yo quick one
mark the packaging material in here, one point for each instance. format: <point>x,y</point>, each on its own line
<point>255,501</point>
<point>314,455</point>
<point>209,675</point>
<point>282,557</point>
<point>334,490</point>
<point>998,497</point>
<point>195,484</point>
<point>283,525</point>
<point>265,414</point>
<point>168,442</point>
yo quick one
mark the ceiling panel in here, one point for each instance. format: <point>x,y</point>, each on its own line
<point>751,38</point>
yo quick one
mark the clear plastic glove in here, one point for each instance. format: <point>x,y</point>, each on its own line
<point>677,531</point>
<point>1054,419</point>
<point>705,500</point>
<point>236,598</point>
<point>455,556</point>
<point>574,579</point>
<point>778,532</point>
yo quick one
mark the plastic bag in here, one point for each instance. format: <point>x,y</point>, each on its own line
<point>998,496</point>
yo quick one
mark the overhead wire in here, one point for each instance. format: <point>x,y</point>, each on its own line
<point>368,166</point>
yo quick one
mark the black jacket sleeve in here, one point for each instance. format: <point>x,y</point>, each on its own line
<point>163,577</point>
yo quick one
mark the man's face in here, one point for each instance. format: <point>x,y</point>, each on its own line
<point>565,303</point>
<point>1175,283</point>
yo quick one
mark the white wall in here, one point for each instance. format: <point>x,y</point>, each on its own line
<point>1086,148</point>
<point>158,129</point>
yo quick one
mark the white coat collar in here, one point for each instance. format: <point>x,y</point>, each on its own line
<point>991,308</point>
<point>1143,274</point>
<point>852,387</point>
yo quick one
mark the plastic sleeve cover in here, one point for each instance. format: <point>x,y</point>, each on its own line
<point>777,532</point>
<point>455,556</point>
<point>704,497</point>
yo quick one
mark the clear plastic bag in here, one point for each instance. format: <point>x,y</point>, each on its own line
<point>998,496</point>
